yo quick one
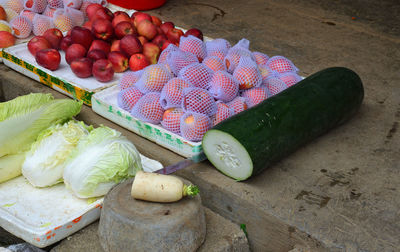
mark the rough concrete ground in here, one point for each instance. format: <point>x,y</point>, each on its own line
<point>338,193</point>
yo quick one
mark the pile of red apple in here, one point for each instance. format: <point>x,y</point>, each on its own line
<point>107,43</point>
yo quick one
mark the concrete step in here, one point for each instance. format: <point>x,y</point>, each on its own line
<point>222,236</point>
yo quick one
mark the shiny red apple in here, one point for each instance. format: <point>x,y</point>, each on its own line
<point>102,70</point>
<point>65,43</point>
<point>48,58</point>
<point>152,52</point>
<point>138,61</point>
<point>82,36</point>
<point>38,43</point>
<point>119,61</point>
<point>54,36</point>
<point>124,28</point>
<point>174,35</point>
<point>101,45</point>
<point>96,54</point>
<point>82,67</point>
<point>130,44</point>
<point>102,29</point>
<point>194,32</point>
<point>75,51</point>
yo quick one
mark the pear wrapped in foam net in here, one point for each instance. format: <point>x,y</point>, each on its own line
<point>275,86</point>
<point>223,86</point>
<point>198,74</point>
<point>41,23</point>
<point>153,78</point>
<point>238,104</point>
<point>247,73</point>
<point>255,95</point>
<point>281,64</point>
<point>214,63</point>
<point>129,78</point>
<point>193,45</point>
<point>127,98</point>
<point>148,108</point>
<point>172,119</point>
<point>37,6</point>
<point>179,59</point>
<point>223,113</point>
<point>194,125</point>
<point>172,93</point>
<point>198,100</point>
<point>21,26</point>
<point>290,78</point>
<point>218,47</point>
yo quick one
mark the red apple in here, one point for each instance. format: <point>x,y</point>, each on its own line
<point>6,39</point>
<point>65,43</point>
<point>75,51</point>
<point>101,45</point>
<point>124,28</point>
<point>102,70</point>
<point>48,58</point>
<point>82,67</point>
<point>194,32</point>
<point>3,14</point>
<point>88,25</point>
<point>147,29</point>
<point>91,10</point>
<point>143,40</point>
<point>54,36</point>
<point>166,26</point>
<point>152,52</point>
<point>138,61</point>
<point>160,40</point>
<point>120,17</point>
<point>115,46</point>
<point>104,13</point>
<point>166,44</point>
<point>140,16</point>
<point>156,20</point>
<point>130,44</point>
<point>174,35</point>
<point>38,43</point>
<point>96,54</point>
<point>119,61</point>
<point>102,29</point>
<point>82,36</point>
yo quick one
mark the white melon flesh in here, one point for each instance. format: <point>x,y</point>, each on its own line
<point>227,154</point>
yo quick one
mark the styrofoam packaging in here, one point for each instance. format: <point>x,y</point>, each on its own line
<point>43,216</point>
<point>105,104</point>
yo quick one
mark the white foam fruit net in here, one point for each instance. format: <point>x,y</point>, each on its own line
<point>261,58</point>
<point>238,104</point>
<point>76,4</point>
<point>193,45</point>
<point>62,21</point>
<point>172,119</point>
<point>266,73</point>
<point>129,78</point>
<point>172,93</point>
<point>290,78</point>
<point>218,47</point>
<point>55,4</point>
<point>198,74</point>
<point>198,100</point>
<point>275,86</point>
<point>223,112</point>
<point>223,86</point>
<point>255,95</point>
<point>165,52</point>
<point>49,11</point>
<point>77,16</point>
<point>194,125</point>
<point>234,55</point>
<point>28,14</point>
<point>41,23</point>
<point>153,78</point>
<point>247,73</point>
<point>10,14</point>
<point>127,98</point>
<point>179,59</point>
<point>148,108</point>
<point>15,5</point>
<point>281,64</point>
<point>21,26</point>
<point>214,63</point>
<point>37,6</point>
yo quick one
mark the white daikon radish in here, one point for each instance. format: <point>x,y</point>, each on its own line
<point>160,188</point>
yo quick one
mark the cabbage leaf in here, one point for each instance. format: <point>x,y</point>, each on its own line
<point>101,159</point>
<point>23,118</point>
<point>44,162</point>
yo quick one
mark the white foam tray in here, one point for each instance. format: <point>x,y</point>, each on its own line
<point>43,216</point>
